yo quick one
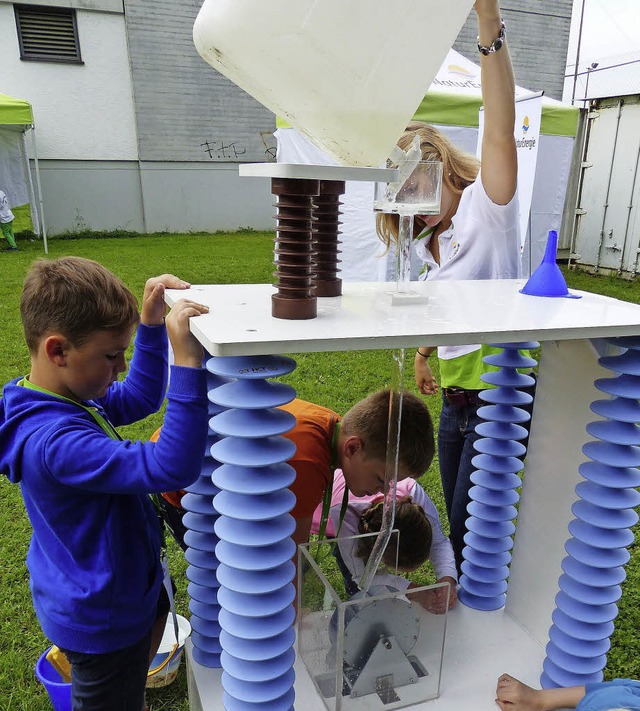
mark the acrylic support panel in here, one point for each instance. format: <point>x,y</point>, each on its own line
<point>378,650</point>
<point>480,645</point>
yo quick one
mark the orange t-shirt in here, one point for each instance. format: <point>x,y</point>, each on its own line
<point>312,436</point>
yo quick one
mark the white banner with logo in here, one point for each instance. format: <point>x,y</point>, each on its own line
<point>527,135</point>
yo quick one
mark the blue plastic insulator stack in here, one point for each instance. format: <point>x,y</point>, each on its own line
<point>593,569</point>
<point>200,554</point>
<point>255,551</point>
<point>487,554</point>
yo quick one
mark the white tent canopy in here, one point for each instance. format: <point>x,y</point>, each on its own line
<point>452,104</point>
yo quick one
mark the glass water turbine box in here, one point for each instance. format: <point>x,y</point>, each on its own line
<point>379,649</point>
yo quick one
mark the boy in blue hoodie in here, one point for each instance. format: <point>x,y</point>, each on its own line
<point>94,558</point>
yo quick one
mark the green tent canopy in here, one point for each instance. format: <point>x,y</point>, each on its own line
<point>15,112</point>
<point>16,117</point>
<point>462,109</point>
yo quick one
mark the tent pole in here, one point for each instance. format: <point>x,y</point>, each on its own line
<point>576,70</point>
<point>34,210</point>
<point>40,201</point>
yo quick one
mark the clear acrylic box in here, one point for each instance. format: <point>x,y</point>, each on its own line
<point>382,650</point>
<point>419,193</point>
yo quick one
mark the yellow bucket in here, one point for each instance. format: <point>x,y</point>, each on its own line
<point>164,667</point>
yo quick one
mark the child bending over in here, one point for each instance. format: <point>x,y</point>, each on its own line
<point>421,539</point>
<point>356,444</point>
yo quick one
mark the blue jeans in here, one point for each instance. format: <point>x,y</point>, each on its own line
<point>113,681</point>
<point>110,681</point>
<point>456,435</point>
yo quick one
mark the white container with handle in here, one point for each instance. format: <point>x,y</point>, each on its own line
<point>348,74</point>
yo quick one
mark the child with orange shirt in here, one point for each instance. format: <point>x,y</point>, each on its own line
<point>356,444</point>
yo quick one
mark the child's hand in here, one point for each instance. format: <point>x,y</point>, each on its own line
<point>187,350</point>
<point>153,306</point>
<point>435,600</point>
<point>453,595</point>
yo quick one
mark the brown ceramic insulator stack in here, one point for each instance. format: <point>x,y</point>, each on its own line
<point>294,250</point>
<point>326,228</point>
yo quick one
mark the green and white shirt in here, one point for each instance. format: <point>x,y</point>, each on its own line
<point>483,242</point>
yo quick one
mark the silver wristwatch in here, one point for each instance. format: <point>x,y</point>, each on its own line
<point>496,44</point>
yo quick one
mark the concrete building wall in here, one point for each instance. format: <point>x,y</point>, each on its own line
<point>116,6</point>
<point>81,111</point>
<point>185,110</point>
<point>190,197</point>
<point>91,195</point>
<point>152,197</point>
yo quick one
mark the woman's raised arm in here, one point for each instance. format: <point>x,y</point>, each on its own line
<point>498,159</point>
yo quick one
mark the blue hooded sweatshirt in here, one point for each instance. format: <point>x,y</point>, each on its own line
<point>606,695</point>
<point>94,558</point>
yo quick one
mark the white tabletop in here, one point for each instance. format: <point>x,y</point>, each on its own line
<point>316,172</point>
<point>473,661</point>
<point>365,317</point>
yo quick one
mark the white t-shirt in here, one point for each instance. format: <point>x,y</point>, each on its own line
<point>5,213</point>
<point>483,242</point>
<point>441,555</point>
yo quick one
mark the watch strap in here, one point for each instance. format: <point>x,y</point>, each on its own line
<point>497,43</point>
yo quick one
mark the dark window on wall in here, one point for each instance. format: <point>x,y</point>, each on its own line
<point>47,34</point>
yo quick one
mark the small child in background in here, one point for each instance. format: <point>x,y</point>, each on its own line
<point>6,223</point>
<point>421,539</point>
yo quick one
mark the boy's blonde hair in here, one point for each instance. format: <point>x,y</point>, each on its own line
<point>415,535</point>
<point>75,297</point>
<point>459,169</point>
<point>369,420</point>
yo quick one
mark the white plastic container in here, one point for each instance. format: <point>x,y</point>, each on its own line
<point>164,666</point>
<point>348,74</point>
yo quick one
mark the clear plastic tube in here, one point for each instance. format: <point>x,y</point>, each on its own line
<point>391,470</point>
<point>405,236</point>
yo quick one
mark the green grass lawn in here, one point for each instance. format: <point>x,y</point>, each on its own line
<point>333,379</point>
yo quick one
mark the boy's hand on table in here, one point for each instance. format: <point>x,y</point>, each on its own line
<point>187,350</point>
<point>153,305</point>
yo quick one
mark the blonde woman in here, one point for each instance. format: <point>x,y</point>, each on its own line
<point>475,236</point>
